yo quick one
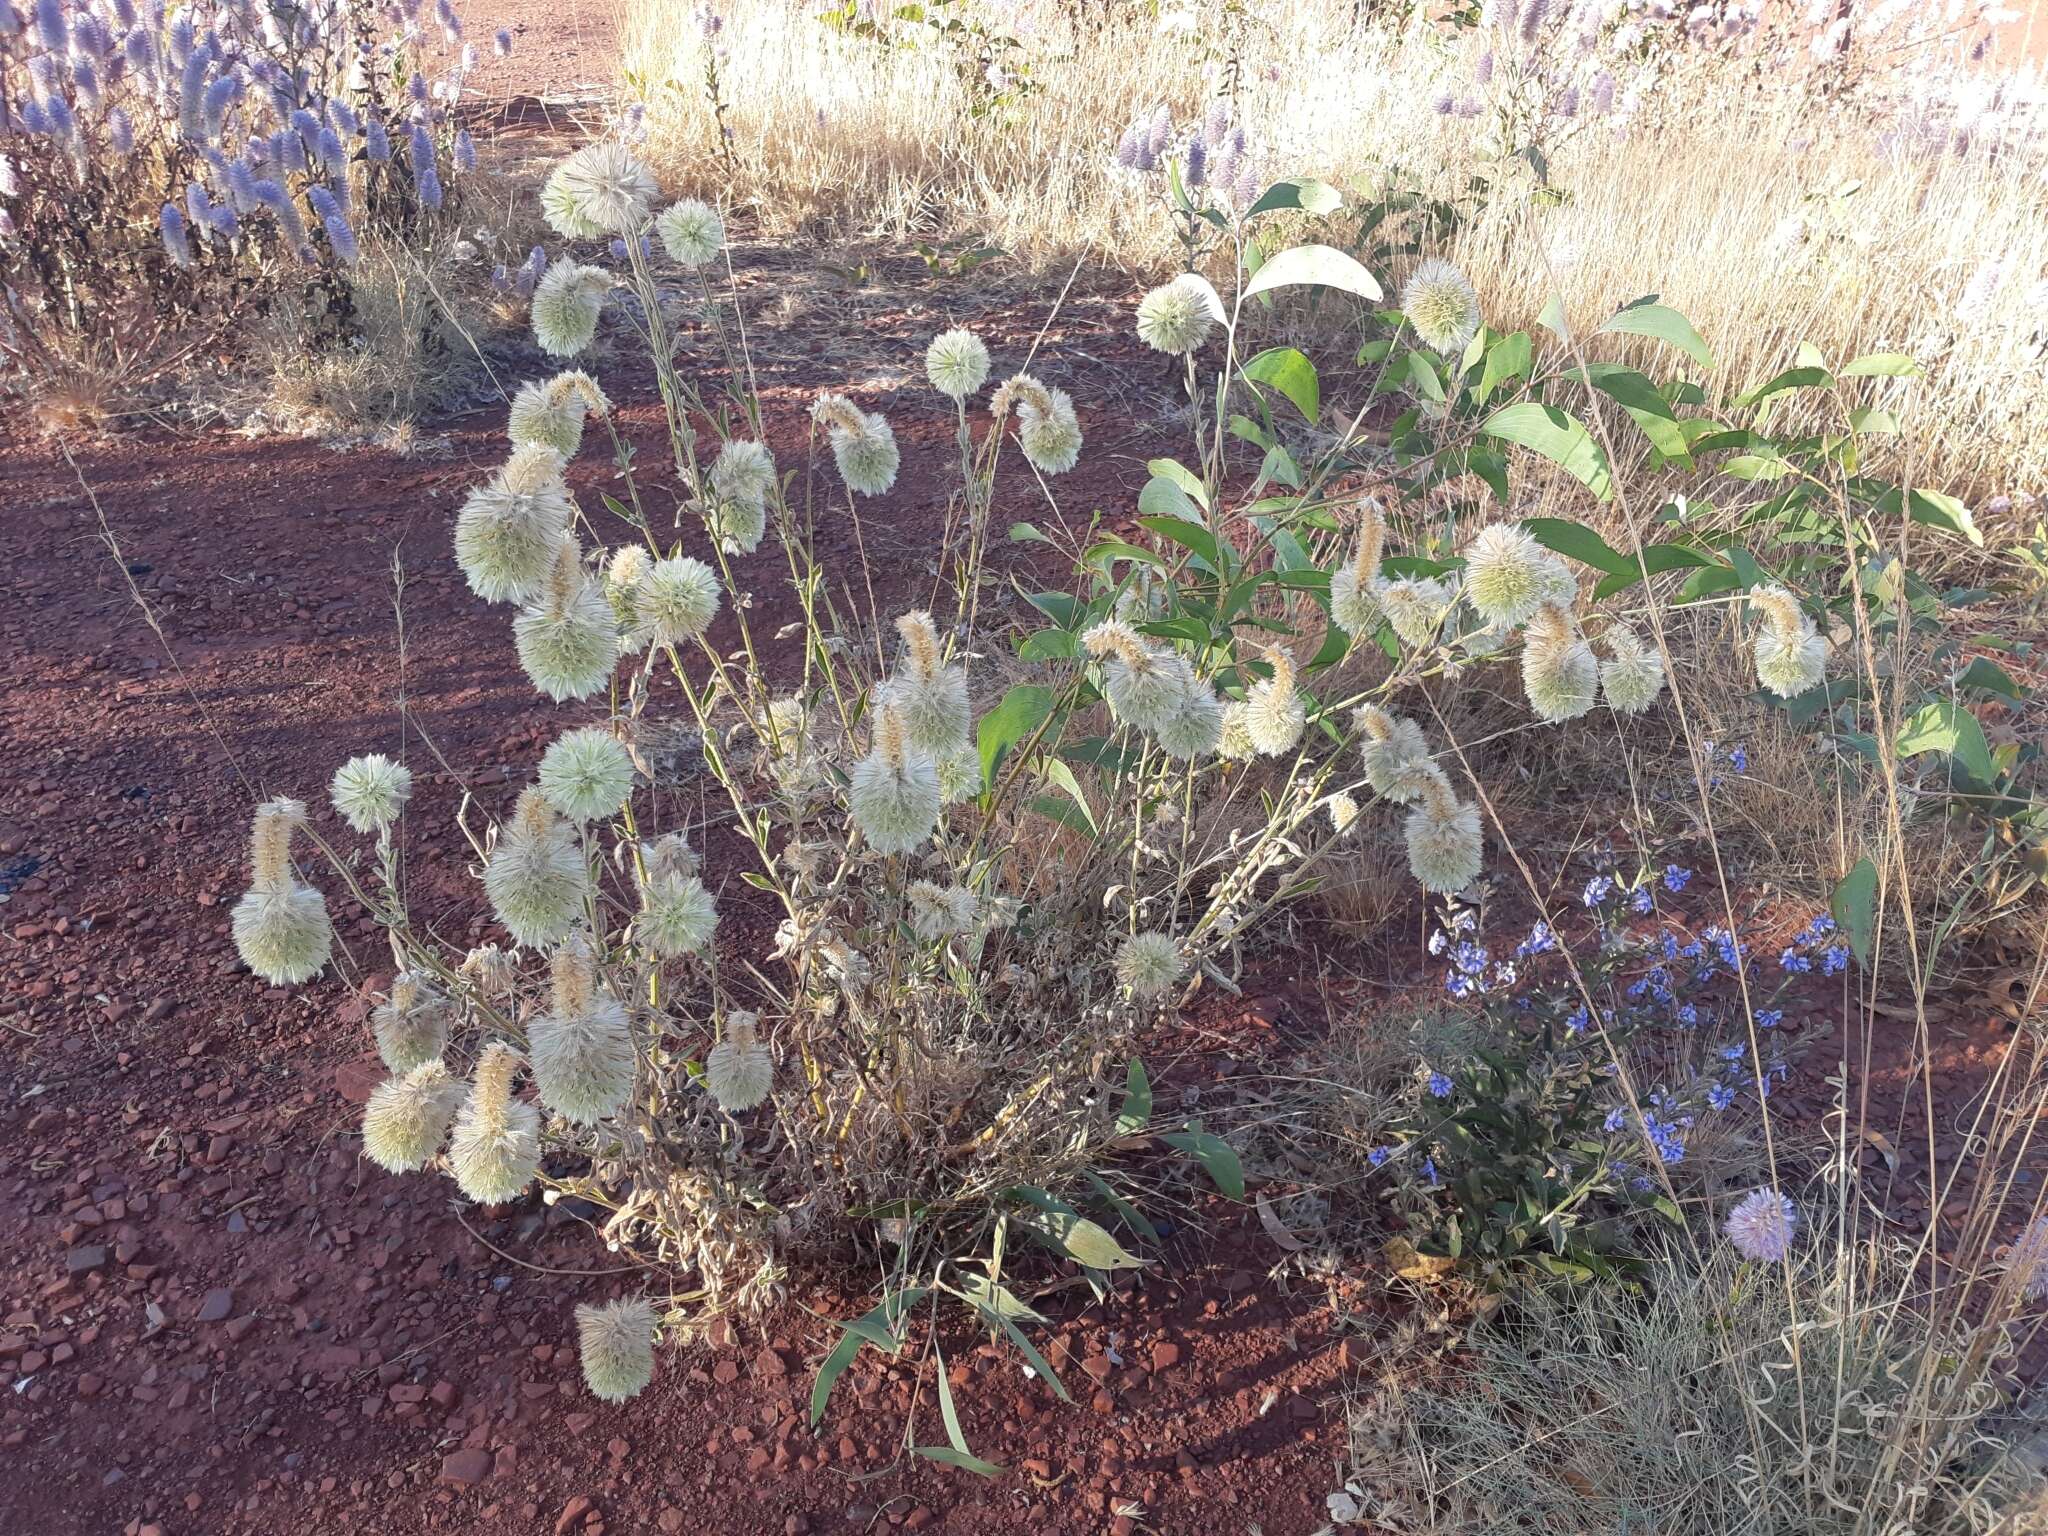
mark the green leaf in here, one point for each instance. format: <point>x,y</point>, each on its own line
<point>1192,537</point>
<point>1182,476</point>
<point>1023,710</point>
<point>1649,410</point>
<point>1987,676</point>
<point>1078,1238</point>
<point>1016,1337</point>
<point>1322,266</point>
<point>1581,543</point>
<point>1552,319</point>
<point>953,1456</point>
<point>1215,1154</point>
<point>1024,533</point>
<point>877,1328</point>
<point>1508,358</point>
<point>1303,192</point>
<point>1658,558</point>
<point>1939,510</point>
<point>993,1299</point>
<point>1945,726</point>
<point>1137,1109</point>
<point>1854,906</point>
<point>1126,1212</point>
<point>1164,497</point>
<point>1061,776</point>
<point>1558,436</point>
<point>963,1457</point>
<point>1420,371</point>
<point>1290,373</point>
<point>1790,379</point>
<point>1885,365</point>
<point>1647,318</point>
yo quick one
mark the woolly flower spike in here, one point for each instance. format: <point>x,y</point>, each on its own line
<point>1790,655</point>
<point>675,601</point>
<point>2028,1259</point>
<point>406,1119</point>
<point>1440,303</point>
<point>509,530</point>
<point>1273,712</point>
<point>490,970</point>
<point>743,471</point>
<point>1507,574</point>
<point>536,878</point>
<point>959,773</point>
<point>1050,438</point>
<point>1415,606</point>
<point>738,1070</point>
<point>565,306</point>
<point>1145,688</point>
<point>1633,675</point>
<point>1234,742</point>
<point>677,915</point>
<point>370,791</point>
<point>411,1025</point>
<point>1443,838</point>
<point>1761,1226</point>
<point>930,698</point>
<point>600,190</point>
<point>568,641</point>
<point>616,1343</point>
<point>1149,963</point>
<point>957,363</point>
<point>1560,674</point>
<point>739,525</point>
<point>581,1050</point>
<point>1195,728</point>
<point>863,445</point>
<point>1353,607</point>
<point>281,927</point>
<point>893,794</point>
<point>494,1151</point>
<point>551,411</point>
<point>586,774</point>
<point>937,911</point>
<point>691,232</point>
<point>1396,755</point>
<point>1175,317</point>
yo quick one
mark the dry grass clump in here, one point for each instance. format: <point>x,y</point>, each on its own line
<point>1724,1397</point>
<point>1876,232</point>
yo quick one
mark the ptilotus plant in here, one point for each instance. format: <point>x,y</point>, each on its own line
<point>871,920</point>
<point>167,168</point>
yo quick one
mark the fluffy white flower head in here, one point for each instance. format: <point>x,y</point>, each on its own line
<point>1762,1225</point>
<point>1175,317</point>
<point>863,445</point>
<point>1149,963</point>
<point>1444,846</point>
<point>691,232</point>
<point>586,774</point>
<point>1790,654</point>
<point>1441,305</point>
<point>1506,574</point>
<point>616,1345</point>
<point>956,363</point>
<point>281,928</point>
<point>369,791</point>
<point>675,601</point>
<point>602,189</point>
<point>406,1118</point>
<point>566,304</point>
<point>1633,675</point>
<point>893,793</point>
<point>738,1070</point>
<point>1560,673</point>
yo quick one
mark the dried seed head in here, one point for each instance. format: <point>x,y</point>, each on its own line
<point>616,1343</point>
<point>1353,606</point>
<point>738,1070</point>
<point>492,971</point>
<point>406,1118</point>
<point>1195,727</point>
<point>920,643</point>
<point>602,189</point>
<point>565,306</point>
<point>547,415</point>
<point>270,842</point>
<point>1790,654</point>
<point>509,533</point>
<point>938,911</point>
<point>1234,743</point>
<point>494,1150</point>
<point>568,642</point>
<point>1415,606</point>
<point>893,793</point>
<point>411,1025</point>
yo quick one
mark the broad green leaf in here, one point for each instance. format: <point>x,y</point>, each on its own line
<point>1558,436</point>
<point>1552,319</point>
<point>1216,1155</point>
<point>1657,557</point>
<point>876,1327</point>
<point>1646,408</point>
<point>993,1298</point>
<point>1126,1212</point>
<point>1322,266</point>
<point>1757,466</point>
<point>1854,906</point>
<point>1292,374</point>
<point>1579,542</point>
<point>1024,533</point>
<point>1061,776</point>
<point>1137,1108</point>
<point>1508,358</point>
<point>1162,497</point>
<point>1060,607</point>
<point>1790,379</point>
<point>1886,365</point>
<point>1648,318</point>
<point>1945,726</point>
<point>1024,1346</point>
<point>1185,478</point>
<point>1939,510</point>
<point>1303,192</point>
<point>1987,676</point>
<point>1191,536</point>
<point>1022,710</point>
<point>1079,1238</point>
<point>1420,372</point>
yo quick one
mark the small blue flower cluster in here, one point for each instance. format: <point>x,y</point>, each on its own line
<point>1217,153</point>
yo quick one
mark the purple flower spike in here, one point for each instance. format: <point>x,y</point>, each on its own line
<point>176,242</point>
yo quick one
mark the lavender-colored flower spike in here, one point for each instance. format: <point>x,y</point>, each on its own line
<point>63,126</point>
<point>192,95</point>
<point>197,205</point>
<point>1130,149</point>
<point>305,124</point>
<point>241,184</point>
<point>1198,165</point>
<point>50,25</point>
<point>175,239</point>
<point>183,39</point>
<point>465,151</point>
<point>503,43</point>
<point>451,24</point>
<point>223,220</point>
<point>1216,122</point>
<point>214,109</point>
<point>419,150</point>
<point>1603,93</point>
<point>430,188</point>
<point>343,118</point>
<point>528,276</point>
<point>284,210</point>
<point>416,88</point>
<point>1482,72</point>
<point>121,132</point>
<point>42,77</point>
<point>376,142</point>
<point>1533,14</point>
<point>124,13</point>
<point>332,154</point>
<point>1160,130</point>
<point>342,239</point>
<point>141,51</point>
<point>33,117</point>
<point>86,82</point>
<point>89,39</point>
<point>324,204</point>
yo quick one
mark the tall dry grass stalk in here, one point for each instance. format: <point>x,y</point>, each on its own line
<point>1769,213</point>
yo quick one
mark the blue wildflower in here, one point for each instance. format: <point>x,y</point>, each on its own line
<point>1639,900</point>
<point>1440,1086</point>
<point>1617,1117</point>
<point>1676,879</point>
<point>1720,1096</point>
<point>1738,758</point>
<point>1834,960</point>
<point>1688,1016</point>
<point>1597,890</point>
<point>176,242</point>
<point>1769,1018</point>
<point>1379,1155</point>
<point>1577,1020</point>
<point>1429,1172</point>
<point>1794,961</point>
<point>341,238</point>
